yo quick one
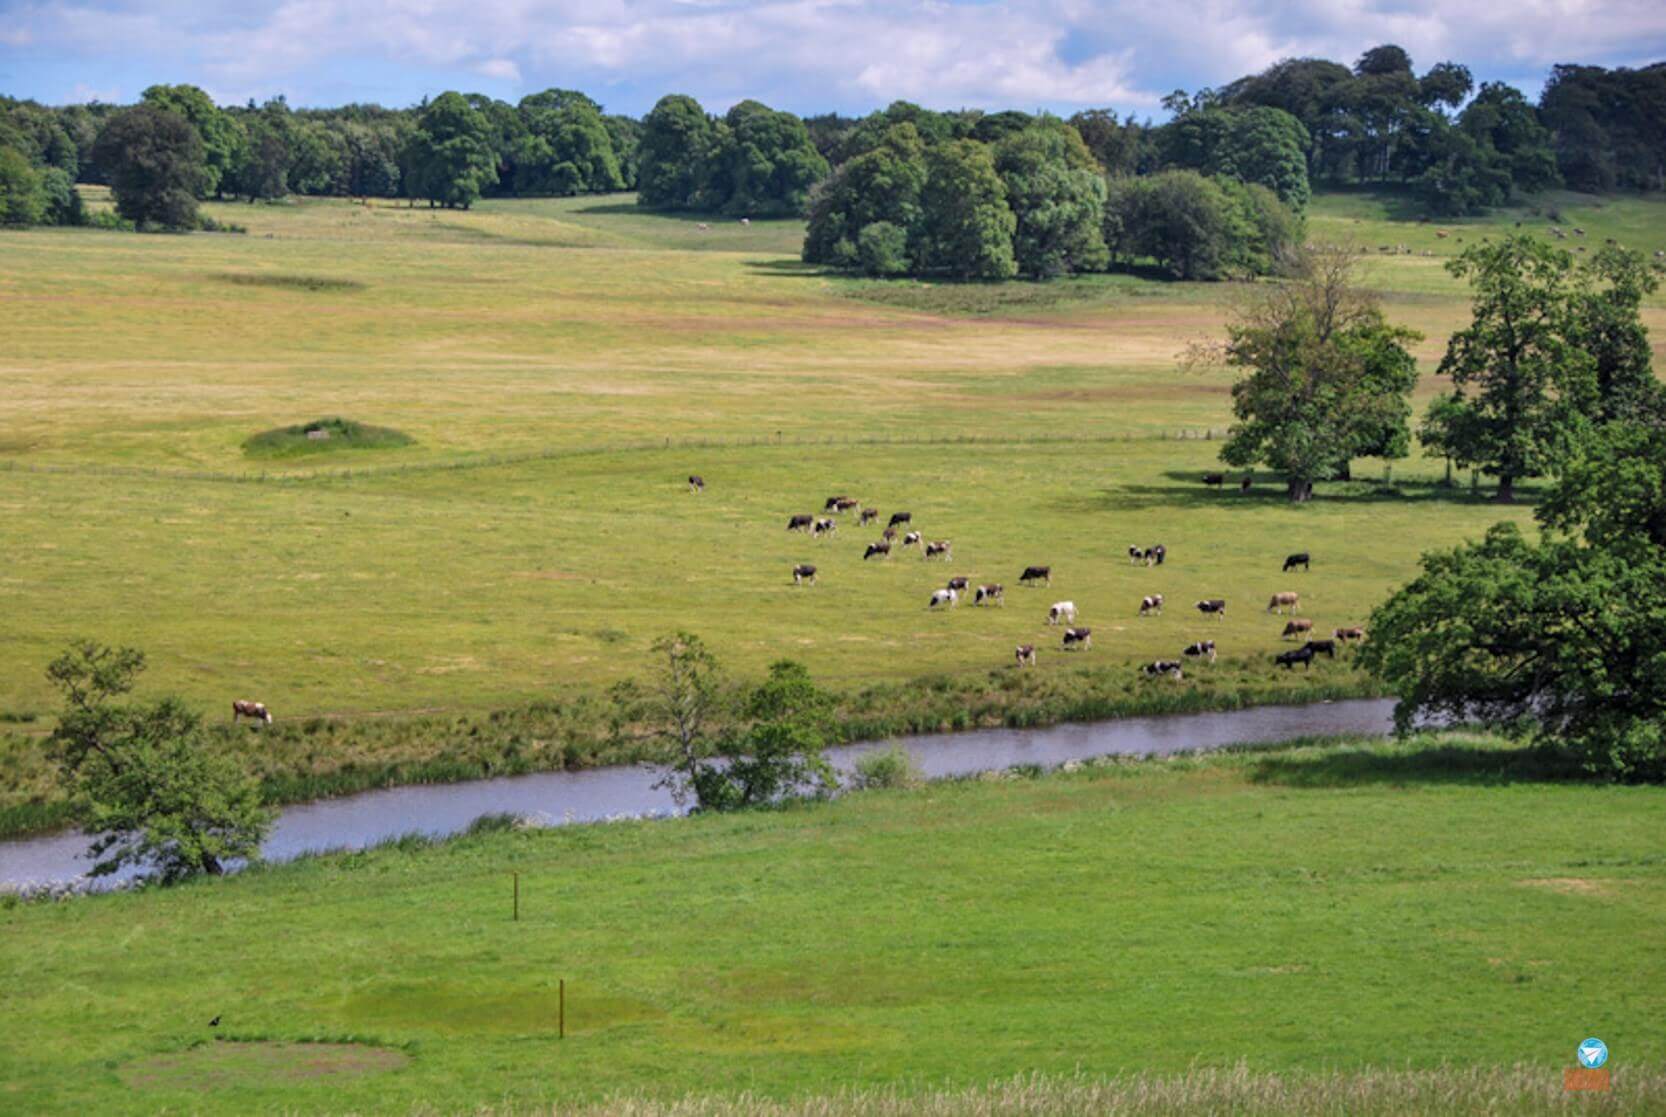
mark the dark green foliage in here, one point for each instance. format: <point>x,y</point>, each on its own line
<point>677,139</point>
<point>1329,377</point>
<point>154,159</point>
<point>141,778</point>
<point>625,133</point>
<point>1609,126</point>
<point>224,141</point>
<point>450,159</point>
<point>966,227</point>
<point>1256,144</point>
<point>1607,326</point>
<point>1196,227</point>
<point>1563,640</point>
<point>763,164</point>
<point>22,193</point>
<point>1057,197</point>
<point>1122,147</point>
<point>566,146</point>
<point>882,249</point>
<point>322,435</point>
<point>883,184</point>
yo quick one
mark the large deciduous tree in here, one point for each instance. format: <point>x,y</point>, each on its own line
<point>1057,195</point>
<point>154,159</point>
<point>1329,375</point>
<point>966,227</point>
<point>224,142</point>
<point>763,164</point>
<point>677,139</point>
<point>452,158</point>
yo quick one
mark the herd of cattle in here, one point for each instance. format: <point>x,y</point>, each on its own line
<point>1061,613</point>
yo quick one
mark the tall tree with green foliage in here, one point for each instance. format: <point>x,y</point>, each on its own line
<point>155,162</point>
<point>565,147</point>
<point>677,140</point>
<point>451,160</point>
<point>142,777</point>
<point>1558,641</point>
<point>1607,325</point>
<point>1520,384</point>
<point>882,184</point>
<point>966,227</point>
<point>1329,377</point>
<point>1057,195</point>
<point>763,164</point>
<point>224,142</point>
<point>22,196</point>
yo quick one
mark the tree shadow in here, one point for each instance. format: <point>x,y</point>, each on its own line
<point>1187,492</point>
<point>787,266</point>
<point>1437,762</point>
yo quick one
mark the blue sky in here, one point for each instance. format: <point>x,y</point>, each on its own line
<point>803,55</point>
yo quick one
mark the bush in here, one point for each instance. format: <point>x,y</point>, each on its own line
<point>882,249</point>
<point>322,436</point>
<point>891,767</point>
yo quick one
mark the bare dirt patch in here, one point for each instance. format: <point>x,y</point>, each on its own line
<point>1572,886</point>
<point>215,1066</point>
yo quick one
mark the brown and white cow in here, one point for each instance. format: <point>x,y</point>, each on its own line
<point>1213,606</point>
<point>804,572</point>
<point>243,708</point>
<point>940,548</point>
<point>1036,574</point>
<point>1286,599</point>
<point>1078,637</point>
<point>845,504</point>
<point>833,502</point>
<point>1025,654</point>
<point>1345,635</point>
<point>868,516</point>
<point>882,549</point>
<point>1301,626</point>
<point>1151,603</point>
<point>889,534</point>
<point>990,593</point>
<point>802,522</point>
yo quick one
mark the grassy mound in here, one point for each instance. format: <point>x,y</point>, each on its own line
<point>322,436</point>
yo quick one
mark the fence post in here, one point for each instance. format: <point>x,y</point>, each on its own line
<point>517,897</point>
<point>561,1010</point>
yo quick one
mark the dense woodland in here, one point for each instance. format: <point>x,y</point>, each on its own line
<point>1217,190</point>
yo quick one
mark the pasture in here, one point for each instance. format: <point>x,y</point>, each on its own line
<point>1430,909</point>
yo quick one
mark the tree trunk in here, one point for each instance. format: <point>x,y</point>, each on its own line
<point>1506,489</point>
<point>1299,490</point>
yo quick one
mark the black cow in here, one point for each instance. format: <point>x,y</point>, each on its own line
<point>1326,646</point>
<point>901,518</point>
<point>1155,555</point>
<point>1036,574</point>
<point>1302,655</point>
<point>1244,485</point>
<point>1215,479</point>
<point>1215,606</point>
<point>1300,558</point>
<point>801,523</point>
<point>882,549</point>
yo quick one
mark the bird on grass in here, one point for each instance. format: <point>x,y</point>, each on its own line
<point>214,1023</point>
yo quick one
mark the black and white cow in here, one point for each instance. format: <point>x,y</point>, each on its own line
<point>1200,648</point>
<point>804,572</point>
<point>824,526</point>
<point>1152,603</point>
<point>696,483</point>
<point>1167,667</point>
<point>943,597</point>
<point>1025,654</point>
<point>1078,638</point>
<point>882,549</point>
<point>940,548</point>
<point>1062,612</point>
<point>990,593</point>
<point>1213,606</point>
<point>958,583</point>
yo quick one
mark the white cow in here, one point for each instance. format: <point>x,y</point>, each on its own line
<point>1062,612</point>
<point>943,597</point>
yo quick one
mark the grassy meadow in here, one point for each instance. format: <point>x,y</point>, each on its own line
<point>1429,909</point>
<point>558,368</point>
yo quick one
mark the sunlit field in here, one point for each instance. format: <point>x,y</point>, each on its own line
<point>561,366</point>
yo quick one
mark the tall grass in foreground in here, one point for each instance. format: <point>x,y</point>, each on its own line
<point>1238,1090</point>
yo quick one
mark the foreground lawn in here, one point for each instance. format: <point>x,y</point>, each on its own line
<point>1307,910</point>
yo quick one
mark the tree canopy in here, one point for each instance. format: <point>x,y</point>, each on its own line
<point>155,162</point>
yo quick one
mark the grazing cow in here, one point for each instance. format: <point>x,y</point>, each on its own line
<point>1136,555</point>
<point>745,222</point>
<point>943,597</point>
<point>696,483</point>
<point>243,708</point>
<point>1167,667</point>
<point>1036,574</point>
<point>1244,485</point>
<point>801,522</point>
<point>1300,558</point>
<point>1298,627</point>
<point>1200,648</point>
<point>882,549</point>
<point>804,572</point>
<point>869,515</point>
<point>1326,646</point>
<point>1441,233</point>
<point>824,526</point>
<point>1214,479</point>
<point>1062,611</point>
<point>1078,637</point>
<point>889,534</point>
<point>901,518</point>
<point>1154,556</point>
<point>1287,599</point>
<point>1151,603</point>
<point>833,502</point>
<point>702,226</point>
<point>958,583</point>
<point>940,548</point>
<point>845,504</point>
<point>910,539</point>
<point>1215,606</point>
<point>990,592</point>
<point>1344,635</point>
<point>1025,654</point>
<point>1288,660</point>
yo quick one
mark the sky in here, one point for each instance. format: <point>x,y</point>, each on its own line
<point>806,56</point>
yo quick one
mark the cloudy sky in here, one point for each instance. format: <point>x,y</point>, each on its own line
<point>804,55</point>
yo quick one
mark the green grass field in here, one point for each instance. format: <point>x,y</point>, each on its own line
<point>1302,911</point>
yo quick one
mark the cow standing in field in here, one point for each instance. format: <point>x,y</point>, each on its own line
<point>943,597</point>
<point>882,549</point>
<point>1287,599</point>
<point>868,516</point>
<point>1301,626</point>
<point>1025,654</point>
<point>990,593</point>
<point>1062,611</point>
<point>1328,647</point>
<point>1200,648</point>
<point>844,504</point>
<point>1152,603</point>
<point>1136,555</point>
<point>1078,638</point>
<point>1168,667</point>
<point>889,535</point>
<point>1244,485</point>
<point>1300,558</point>
<point>1348,635</point>
<point>958,583</point>
<point>832,503</point>
<point>1036,574</point>
<point>940,548</point>
<point>1214,480</point>
<point>243,708</point>
<point>801,522</point>
<point>696,483</point>
<point>1213,607</point>
<point>1288,660</point>
<point>804,572</point>
<point>900,518</point>
<point>1155,556</point>
<point>824,526</point>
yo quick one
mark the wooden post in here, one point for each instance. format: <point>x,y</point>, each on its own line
<point>561,1010</point>
<point>517,897</point>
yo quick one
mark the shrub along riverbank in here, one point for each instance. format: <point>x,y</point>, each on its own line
<point>311,758</point>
